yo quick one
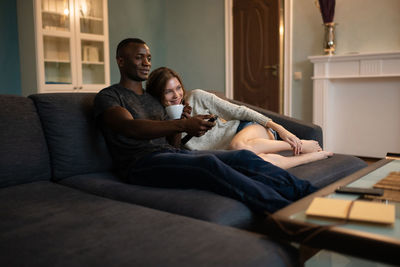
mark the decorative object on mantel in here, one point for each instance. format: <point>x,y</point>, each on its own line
<point>327,8</point>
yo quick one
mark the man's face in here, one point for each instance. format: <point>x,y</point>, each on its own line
<point>135,62</point>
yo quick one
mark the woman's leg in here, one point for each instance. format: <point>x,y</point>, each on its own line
<point>258,139</point>
<point>289,162</point>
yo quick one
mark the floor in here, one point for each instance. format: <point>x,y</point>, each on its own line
<point>370,161</point>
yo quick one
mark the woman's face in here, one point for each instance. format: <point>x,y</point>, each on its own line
<point>173,92</point>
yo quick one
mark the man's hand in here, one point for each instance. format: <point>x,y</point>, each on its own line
<point>121,121</point>
<point>198,125</point>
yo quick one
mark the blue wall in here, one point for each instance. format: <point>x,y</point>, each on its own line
<point>195,42</point>
<point>10,77</point>
<point>186,35</point>
<point>143,19</point>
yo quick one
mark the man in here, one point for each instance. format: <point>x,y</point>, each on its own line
<point>139,138</point>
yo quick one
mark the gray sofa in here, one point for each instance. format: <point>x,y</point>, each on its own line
<point>62,205</point>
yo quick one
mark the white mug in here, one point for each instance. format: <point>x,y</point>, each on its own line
<point>174,111</point>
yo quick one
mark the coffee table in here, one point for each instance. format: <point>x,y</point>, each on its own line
<point>366,240</point>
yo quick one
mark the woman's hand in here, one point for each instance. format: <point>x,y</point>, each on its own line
<point>292,140</point>
<point>286,136</point>
<point>187,110</point>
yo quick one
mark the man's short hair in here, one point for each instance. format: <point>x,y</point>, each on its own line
<point>127,41</point>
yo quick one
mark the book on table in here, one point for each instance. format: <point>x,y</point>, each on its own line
<point>358,210</point>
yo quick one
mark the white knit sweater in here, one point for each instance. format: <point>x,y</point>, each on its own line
<point>229,117</point>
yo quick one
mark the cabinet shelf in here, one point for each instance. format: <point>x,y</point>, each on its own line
<point>92,18</point>
<point>57,61</point>
<point>92,62</point>
<point>52,30</point>
<point>53,13</point>
<point>50,82</point>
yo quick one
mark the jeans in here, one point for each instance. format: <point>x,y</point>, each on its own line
<point>239,174</point>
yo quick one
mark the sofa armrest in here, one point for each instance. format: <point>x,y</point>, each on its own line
<point>301,129</point>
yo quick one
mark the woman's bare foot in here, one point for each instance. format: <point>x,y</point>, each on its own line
<point>309,146</point>
<point>314,156</point>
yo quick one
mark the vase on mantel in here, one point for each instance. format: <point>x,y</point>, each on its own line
<point>330,38</point>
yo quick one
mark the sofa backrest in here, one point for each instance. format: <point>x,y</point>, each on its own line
<point>76,145</point>
<point>24,155</point>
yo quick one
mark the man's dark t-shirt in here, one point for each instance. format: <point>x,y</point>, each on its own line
<point>126,151</point>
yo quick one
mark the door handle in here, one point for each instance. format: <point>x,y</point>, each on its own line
<point>271,67</point>
<point>274,69</point>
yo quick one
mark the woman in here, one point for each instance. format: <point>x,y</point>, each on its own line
<point>237,127</point>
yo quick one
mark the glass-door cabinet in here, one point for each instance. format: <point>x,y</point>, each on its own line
<point>71,39</point>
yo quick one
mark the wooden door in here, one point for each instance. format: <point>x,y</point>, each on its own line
<point>256,53</point>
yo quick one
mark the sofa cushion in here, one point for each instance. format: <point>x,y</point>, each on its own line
<point>206,205</point>
<point>76,145</point>
<point>46,224</point>
<point>324,172</point>
<point>23,151</point>
<point>194,203</point>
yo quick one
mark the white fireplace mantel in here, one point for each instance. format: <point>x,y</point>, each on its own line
<point>356,101</point>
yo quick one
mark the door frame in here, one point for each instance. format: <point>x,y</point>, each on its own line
<point>287,54</point>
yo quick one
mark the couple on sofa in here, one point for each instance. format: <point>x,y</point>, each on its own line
<point>144,143</point>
